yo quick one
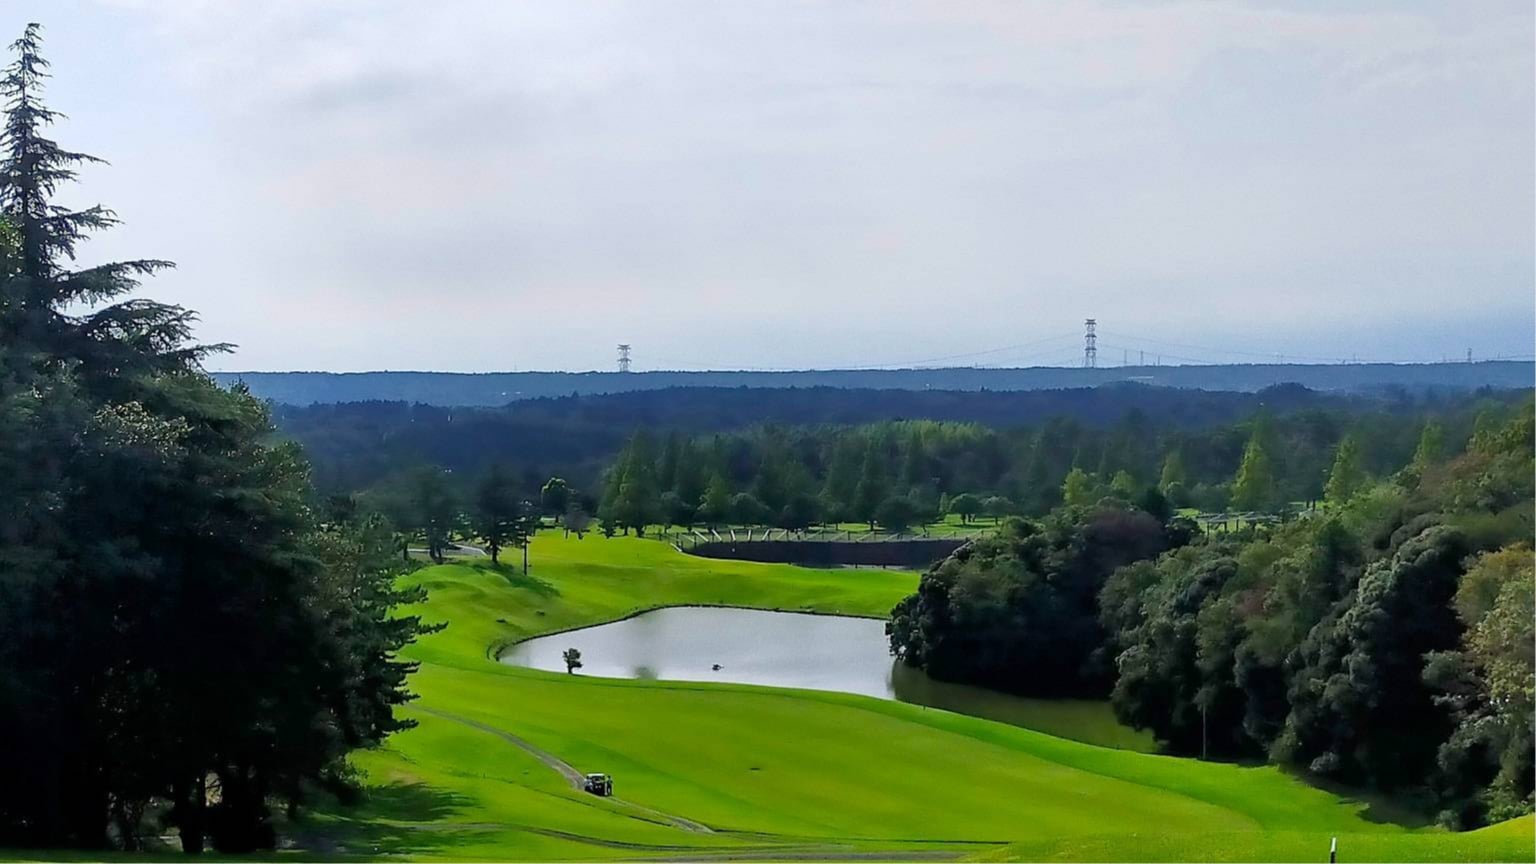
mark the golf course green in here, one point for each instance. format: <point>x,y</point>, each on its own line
<point>735,772</point>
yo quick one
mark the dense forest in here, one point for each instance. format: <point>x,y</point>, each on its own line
<point>183,642</point>
<point>357,444</point>
<point>1384,641</point>
<point>452,389</point>
<point>901,473</point>
<point>362,445</point>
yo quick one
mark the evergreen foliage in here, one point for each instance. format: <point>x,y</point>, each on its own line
<point>179,635</point>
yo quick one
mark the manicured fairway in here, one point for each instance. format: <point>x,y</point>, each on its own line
<point>778,772</point>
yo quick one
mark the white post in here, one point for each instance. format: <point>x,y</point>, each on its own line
<point>1333,851</point>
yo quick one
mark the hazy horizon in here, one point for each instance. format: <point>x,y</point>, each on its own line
<point>353,186</point>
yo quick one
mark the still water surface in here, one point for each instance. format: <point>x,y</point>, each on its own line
<point>796,649</point>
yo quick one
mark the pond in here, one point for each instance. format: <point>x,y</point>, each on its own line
<point>796,649</point>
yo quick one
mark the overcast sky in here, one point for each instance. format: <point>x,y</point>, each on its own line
<point>487,185</point>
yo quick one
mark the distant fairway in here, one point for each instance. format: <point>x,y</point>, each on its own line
<point>786,773</point>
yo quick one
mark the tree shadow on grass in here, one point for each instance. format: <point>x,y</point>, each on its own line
<point>1406,810</point>
<point>371,839</point>
<point>515,577</point>
<point>394,819</point>
<point>408,802</point>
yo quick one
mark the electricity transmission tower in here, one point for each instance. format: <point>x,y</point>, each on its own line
<point>623,358</point>
<point>1090,344</point>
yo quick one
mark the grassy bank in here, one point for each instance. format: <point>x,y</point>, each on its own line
<point>786,773</point>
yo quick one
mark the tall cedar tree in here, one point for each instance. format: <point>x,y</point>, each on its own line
<point>168,621</point>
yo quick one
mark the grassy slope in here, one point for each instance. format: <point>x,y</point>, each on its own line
<point>786,770</point>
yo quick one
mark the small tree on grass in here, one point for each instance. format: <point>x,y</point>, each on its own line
<point>577,521</point>
<point>433,510</point>
<point>747,510</point>
<point>997,507</point>
<point>555,497</point>
<point>572,658</point>
<point>896,514</point>
<point>800,513</point>
<point>966,506</point>
<point>497,513</point>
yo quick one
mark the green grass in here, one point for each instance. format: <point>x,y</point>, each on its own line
<point>785,772</point>
<point>788,773</point>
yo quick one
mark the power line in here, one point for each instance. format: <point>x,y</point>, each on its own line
<point>1269,355</point>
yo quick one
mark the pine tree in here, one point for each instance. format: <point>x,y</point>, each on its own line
<point>636,493</point>
<point>1254,486</point>
<point>771,487</point>
<point>433,510</point>
<point>1431,448</point>
<point>497,512</point>
<point>715,506</point>
<point>873,488</point>
<point>146,509</point>
<point>915,468</point>
<point>842,475</point>
<point>671,461</point>
<point>1174,473</point>
<point>38,298</point>
<point>1348,473</point>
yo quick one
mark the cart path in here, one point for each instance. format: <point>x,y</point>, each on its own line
<point>565,769</point>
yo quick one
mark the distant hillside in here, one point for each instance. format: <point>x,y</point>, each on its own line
<point>356,444</point>
<point>499,388</point>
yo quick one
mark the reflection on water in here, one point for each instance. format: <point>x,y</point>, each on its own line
<point>794,649</point>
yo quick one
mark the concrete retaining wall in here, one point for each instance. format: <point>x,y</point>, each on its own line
<point>915,554</point>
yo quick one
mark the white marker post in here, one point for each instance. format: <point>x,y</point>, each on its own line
<point>1333,851</point>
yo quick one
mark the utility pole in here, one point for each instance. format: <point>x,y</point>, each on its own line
<point>623,358</point>
<point>1090,344</point>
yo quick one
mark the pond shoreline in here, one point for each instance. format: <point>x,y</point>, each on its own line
<point>498,648</point>
<point>796,649</point>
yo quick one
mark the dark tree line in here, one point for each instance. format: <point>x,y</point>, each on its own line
<point>358,445</point>
<point>1385,642</point>
<point>902,473</point>
<point>182,642</point>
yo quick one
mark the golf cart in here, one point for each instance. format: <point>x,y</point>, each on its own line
<point>600,785</point>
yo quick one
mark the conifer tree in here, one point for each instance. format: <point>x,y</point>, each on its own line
<point>1431,448</point>
<point>915,468</point>
<point>873,488</point>
<point>39,298</point>
<point>149,518</point>
<point>1348,473</point>
<point>497,512</point>
<point>1254,486</point>
<point>715,506</point>
<point>1174,474</point>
